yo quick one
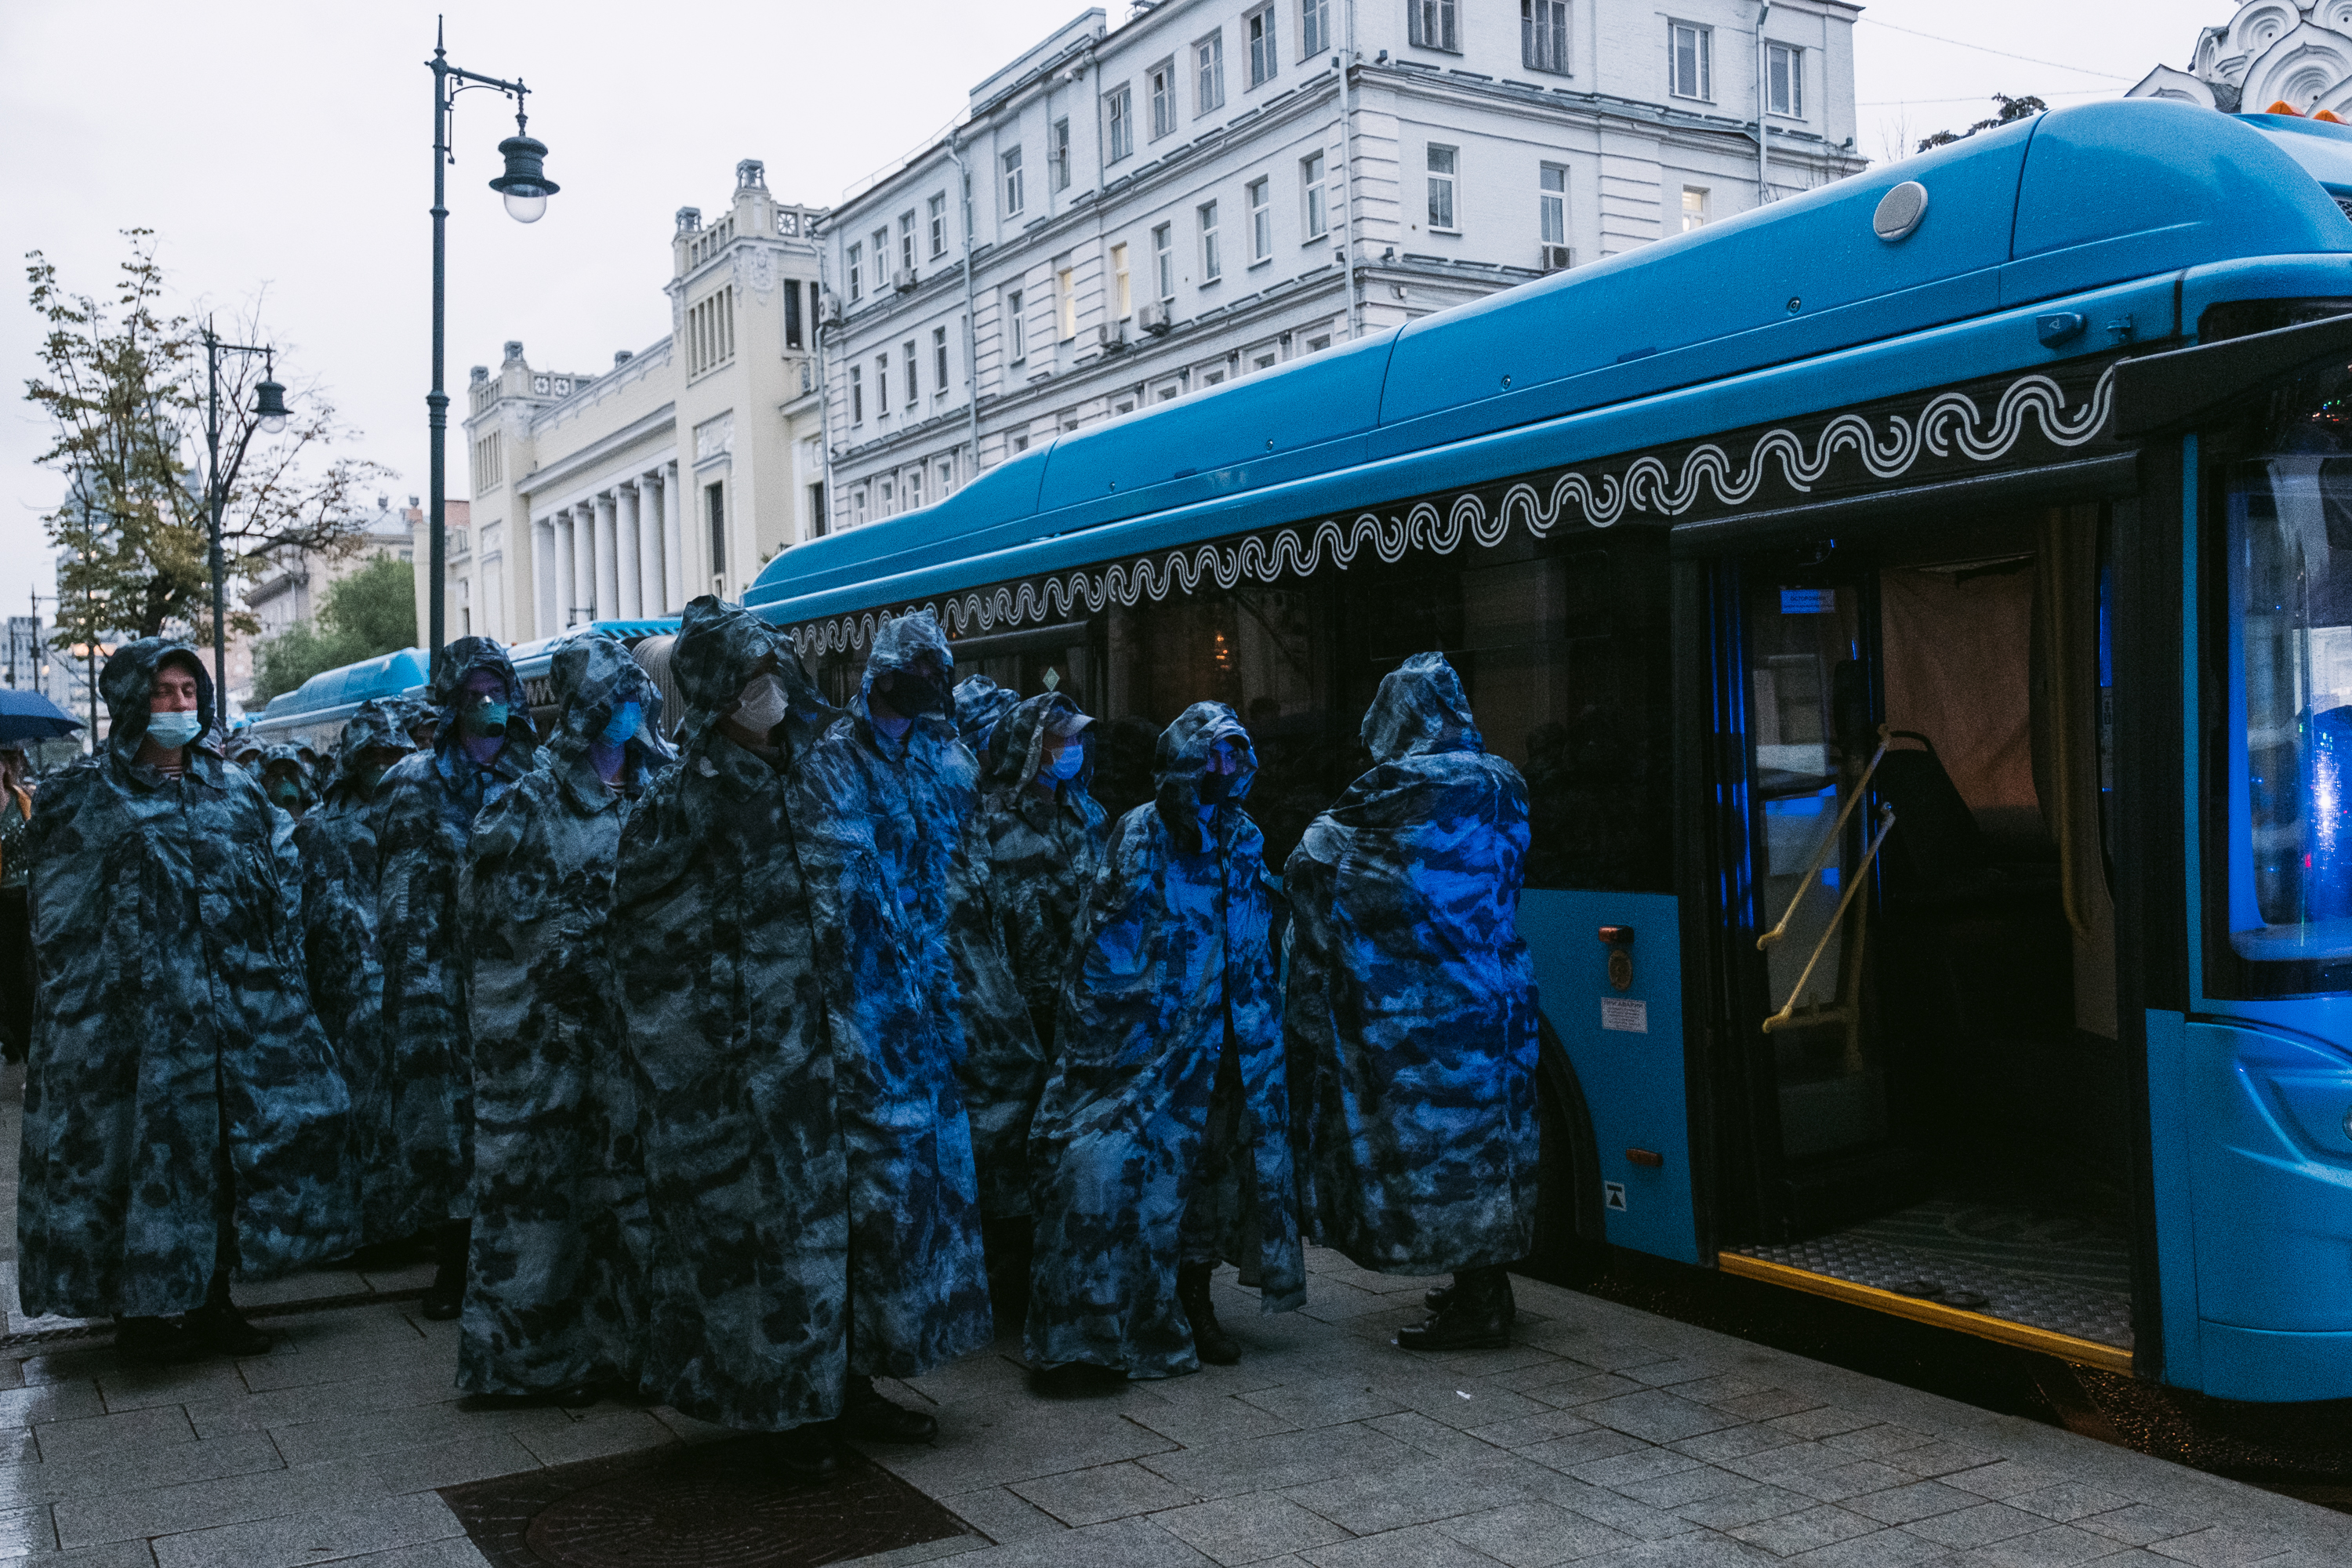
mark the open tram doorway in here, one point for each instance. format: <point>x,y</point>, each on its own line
<point>1936,1106</point>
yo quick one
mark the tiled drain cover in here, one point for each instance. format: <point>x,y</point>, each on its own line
<point>722,1505</point>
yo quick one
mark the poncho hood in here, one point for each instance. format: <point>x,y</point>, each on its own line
<point>596,675</point>
<point>980,704</point>
<point>1420,710</point>
<point>898,645</point>
<point>466,656</point>
<point>1016,748</point>
<point>1184,753</point>
<point>379,722</point>
<point>128,685</point>
<point>720,648</point>
<point>295,762</point>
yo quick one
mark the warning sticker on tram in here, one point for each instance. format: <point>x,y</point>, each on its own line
<point>1625,1013</point>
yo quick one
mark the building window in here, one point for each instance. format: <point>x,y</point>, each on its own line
<point>914,489</point>
<point>1065,303</point>
<point>1058,154</point>
<point>1261,215</point>
<point>794,331</point>
<point>1694,208</point>
<point>938,361</point>
<point>857,507</point>
<point>1122,292</point>
<point>882,386</point>
<point>1691,73</point>
<point>489,464</point>
<point>1209,70</point>
<point>1543,36</point>
<point>1120,105</point>
<point>886,498</point>
<point>1432,25</point>
<point>1163,78</point>
<point>1017,331</point>
<point>820,524</point>
<point>1212,266</point>
<point>1444,164</point>
<point>1784,74</point>
<point>710,332</point>
<point>1310,188</point>
<point>1258,28</point>
<point>714,501</point>
<point>914,381</point>
<point>907,241</point>
<point>1314,28</point>
<point>881,260</point>
<point>1012,164</point>
<point>1163,261</point>
<point>939,218</point>
<point>856,396</point>
<point>857,273</point>
<point>1551,204</point>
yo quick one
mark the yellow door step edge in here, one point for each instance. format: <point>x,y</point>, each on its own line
<point>2067,1347</point>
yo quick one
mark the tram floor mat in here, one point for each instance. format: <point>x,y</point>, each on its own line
<point>726,1504</point>
<point>2046,1271</point>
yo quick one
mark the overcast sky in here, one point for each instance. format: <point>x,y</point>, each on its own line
<point>284,148</point>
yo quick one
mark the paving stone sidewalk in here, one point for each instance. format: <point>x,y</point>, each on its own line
<point>1602,1437</point>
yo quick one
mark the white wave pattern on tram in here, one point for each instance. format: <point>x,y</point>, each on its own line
<point>1952,422</point>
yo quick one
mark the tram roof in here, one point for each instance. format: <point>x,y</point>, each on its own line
<point>2067,202</point>
<point>333,694</point>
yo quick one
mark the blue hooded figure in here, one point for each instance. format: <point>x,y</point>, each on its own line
<point>424,817</point>
<point>183,1113</point>
<point>813,1215</point>
<point>553,1290</point>
<point>1412,1008</point>
<point>1162,1142</point>
<point>980,702</point>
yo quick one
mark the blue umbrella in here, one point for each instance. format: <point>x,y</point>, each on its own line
<point>29,716</point>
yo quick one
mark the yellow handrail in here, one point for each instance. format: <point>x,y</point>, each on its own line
<point>1827,847</point>
<point>1886,824</point>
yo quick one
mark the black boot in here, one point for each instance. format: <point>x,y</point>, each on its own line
<point>1210,1340</point>
<point>866,1413</point>
<point>445,1297</point>
<point>155,1342</point>
<point>1436,1296</point>
<point>807,1453</point>
<point>1476,1315</point>
<point>219,1327</point>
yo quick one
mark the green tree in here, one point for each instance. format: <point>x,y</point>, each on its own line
<point>122,384</point>
<point>368,614</point>
<point>2010,111</point>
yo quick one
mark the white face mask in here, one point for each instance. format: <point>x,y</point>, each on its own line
<point>764,705</point>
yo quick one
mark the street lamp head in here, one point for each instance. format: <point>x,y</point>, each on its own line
<point>269,407</point>
<point>525,184</point>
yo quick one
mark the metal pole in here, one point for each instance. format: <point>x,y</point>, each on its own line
<point>437,402</point>
<point>1763,166</point>
<point>212,506</point>
<point>970,319</point>
<point>1347,175</point>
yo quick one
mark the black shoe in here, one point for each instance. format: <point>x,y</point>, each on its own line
<point>1437,1296</point>
<point>1210,1340</point>
<point>445,1297</point>
<point>219,1327</point>
<point>807,1453</point>
<point>1477,1316</point>
<point>577,1397</point>
<point>866,1413</point>
<point>156,1342</point>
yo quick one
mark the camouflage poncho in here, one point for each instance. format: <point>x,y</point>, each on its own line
<point>172,1019</point>
<point>1171,979</point>
<point>425,814</point>
<point>980,702</point>
<point>292,764</point>
<point>808,1169</point>
<point>1039,851</point>
<point>554,1293</point>
<point>336,844</point>
<point>1412,1005</point>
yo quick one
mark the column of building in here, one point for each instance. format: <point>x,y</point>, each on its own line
<point>619,553</point>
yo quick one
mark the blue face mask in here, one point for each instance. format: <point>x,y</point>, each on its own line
<point>173,730</point>
<point>625,722</point>
<point>1068,765</point>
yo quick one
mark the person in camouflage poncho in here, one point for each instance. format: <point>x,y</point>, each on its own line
<point>980,702</point>
<point>285,775</point>
<point>427,812</point>
<point>808,1167</point>
<point>183,1114</point>
<point>1162,1143</point>
<point>552,1299</point>
<point>335,843</point>
<point>1412,1009</point>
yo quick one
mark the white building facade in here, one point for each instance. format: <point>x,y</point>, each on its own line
<point>1203,193</point>
<point>620,494</point>
<point>2295,52</point>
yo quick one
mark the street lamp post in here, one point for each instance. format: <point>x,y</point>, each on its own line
<point>269,414</point>
<point>526,187</point>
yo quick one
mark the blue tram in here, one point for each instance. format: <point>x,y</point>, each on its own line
<point>1913,607</point>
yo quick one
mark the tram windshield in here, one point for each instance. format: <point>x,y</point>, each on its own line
<point>2290,591</point>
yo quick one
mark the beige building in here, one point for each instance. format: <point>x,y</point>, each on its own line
<point>622,493</point>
